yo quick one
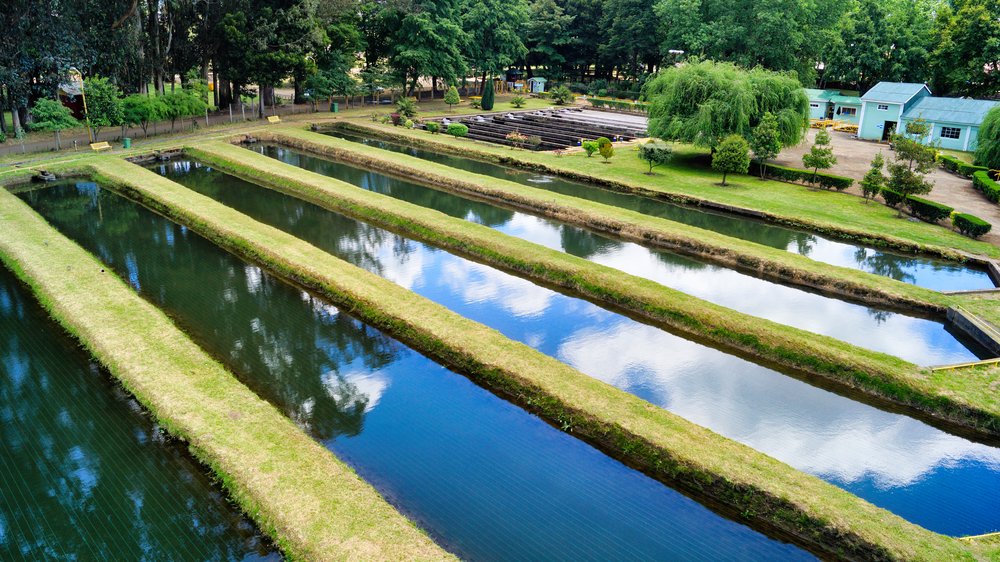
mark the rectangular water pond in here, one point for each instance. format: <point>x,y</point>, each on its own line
<point>943,482</point>
<point>84,473</point>
<point>488,480</point>
<point>939,275</point>
<point>920,340</point>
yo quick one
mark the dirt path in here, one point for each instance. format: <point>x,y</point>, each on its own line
<point>854,157</point>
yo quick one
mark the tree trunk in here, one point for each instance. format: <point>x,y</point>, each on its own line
<point>15,120</point>
<point>482,85</point>
<point>434,86</point>
<point>723,178</point>
<point>215,86</point>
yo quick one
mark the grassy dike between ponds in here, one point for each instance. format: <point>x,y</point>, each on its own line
<point>969,404</point>
<point>311,504</point>
<point>837,215</point>
<point>763,261</point>
<point>724,473</point>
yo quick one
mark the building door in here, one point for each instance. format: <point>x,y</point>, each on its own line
<point>888,128</point>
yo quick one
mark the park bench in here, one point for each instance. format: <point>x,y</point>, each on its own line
<point>274,119</point>
<point>99,146</point>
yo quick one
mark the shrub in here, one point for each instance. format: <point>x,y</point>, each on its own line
<point>516,139</point>
<point>590,147</point>
<point>433,127</point>
<point>655,154</point>
<point>408,124</point>
<point>607,149</point>
<point>518,101</point>
<point>488,96</point>
<point>732,156</point>
<point>981,180</point>
<point>892,198</point>
<point>970,225</point>
<point>824,180</point>
<point>562,95</point>
<point>458,129</point>
<point>396,119</point>
<point>452,98</point>
<point>375,117</point>
<point>407,107</point>
<point>3,137</point>
<point>534,141</point>
<point>928,210</point>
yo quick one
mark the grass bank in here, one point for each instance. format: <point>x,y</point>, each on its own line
<point>730,476</point>
<point>762,261</point>
<point>314,506</point>
<point>879,375</point>
<point>834,214</point>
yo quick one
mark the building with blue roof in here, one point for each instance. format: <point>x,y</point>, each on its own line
<point>833,104</point>
<point>954,122</point>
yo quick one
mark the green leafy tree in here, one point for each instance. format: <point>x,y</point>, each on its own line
<point>655,154</point>
<point>50,115</point>
<point>407,107</point>
<point>732,156</point>
<point>590,147</point>
<point>913,161</point>
<point>967,48</point>
<point>988,149</point>
<point>104,104</point>
<point>820,156</point>
<point>489,98</point>
<point>495,28</point>
<point>874,180</point>
<point>548,32</point>
<point>180,104</point>
<point>605,148</point>
<point>428,41</point>
<point>451,98</point>
<point>704,102</point>
<point>141,110</point>
<point>765,141</point>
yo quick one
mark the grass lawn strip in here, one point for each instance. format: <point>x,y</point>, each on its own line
<point>761,489</point>
<point>771,263</point>
<point>314,506</point>
<point>836,214</point>
<point>879,375</point>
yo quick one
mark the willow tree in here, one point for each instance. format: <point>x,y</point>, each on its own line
<point>705,102</point>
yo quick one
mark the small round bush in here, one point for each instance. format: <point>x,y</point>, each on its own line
<point>518,101</point>
<point>590,147</point>
<point>433,127</point>
<point>408,123</point>
<point>458,129</point>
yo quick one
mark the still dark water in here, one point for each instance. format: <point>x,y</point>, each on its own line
<point>84,473</point>
<point>922,341</point>
<point>925,272</point>
<point>943,482</point>
<point>488,480</point>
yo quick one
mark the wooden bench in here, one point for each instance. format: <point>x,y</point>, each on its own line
<point>99,146</point>
<point>274,119</point>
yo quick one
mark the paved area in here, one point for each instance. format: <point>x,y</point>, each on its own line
<point>854,157</point>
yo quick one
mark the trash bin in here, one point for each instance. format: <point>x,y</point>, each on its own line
<point>334,107</point>
<point>126,142</point>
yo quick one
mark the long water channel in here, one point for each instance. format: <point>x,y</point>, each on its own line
<point>943,482</point>
<point>920,340</point>
<point>926,272</point>
<point>484,477</point>
<point>84,473</point>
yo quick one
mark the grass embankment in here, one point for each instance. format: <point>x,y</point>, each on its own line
<point>746,483</point>
<point>312,505</point>
<point>763,261</point>
<point>877,374</point>
<point>685,181</point>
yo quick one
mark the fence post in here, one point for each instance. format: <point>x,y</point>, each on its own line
<point>206,117</point>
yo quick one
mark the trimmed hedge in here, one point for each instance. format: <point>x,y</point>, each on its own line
<point>827,181</point>
<point>958,166</point>
<point>970,225</point>
<point>892,198</point>
<point>925,209</point>
<point>458,129</point>
<point>432,127</point>
<point>981,180</point>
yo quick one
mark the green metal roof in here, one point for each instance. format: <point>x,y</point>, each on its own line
<point>963,111</point>
<point>894,92</point>
<point>820,95</point>
<point>845,100</point>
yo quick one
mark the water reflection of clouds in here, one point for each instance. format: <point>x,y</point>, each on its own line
<point>807,427</point>
<point>479,283</point>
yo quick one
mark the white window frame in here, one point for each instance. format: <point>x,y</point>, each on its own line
<point>882,107</point>
<point>848,111</point>
<point>957,133</point>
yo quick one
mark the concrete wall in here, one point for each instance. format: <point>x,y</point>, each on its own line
<point>873,119</point>
<point>966,140</point>
<point>818,112</point>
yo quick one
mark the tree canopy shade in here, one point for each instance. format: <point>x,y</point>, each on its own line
<point>50,115</point>
<point>988,149</point>
<point>703,102</point>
